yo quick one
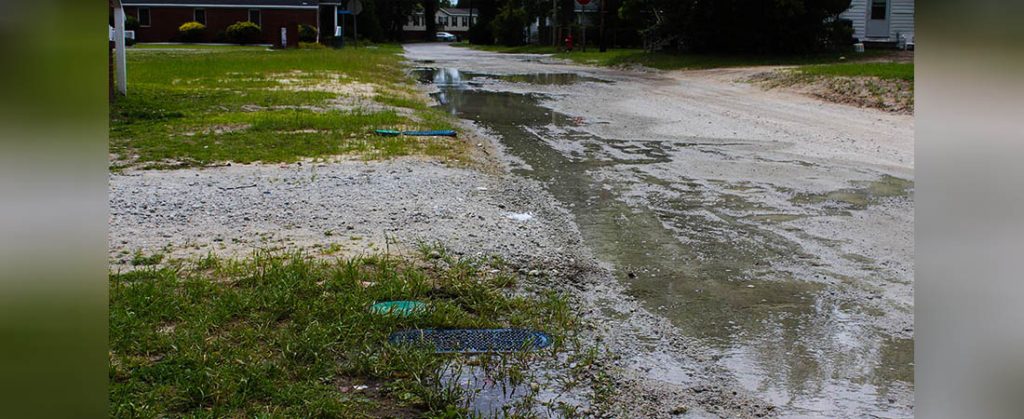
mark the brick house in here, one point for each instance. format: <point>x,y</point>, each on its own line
<point>159,19</point>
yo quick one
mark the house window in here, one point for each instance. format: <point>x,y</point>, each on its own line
<point>465,21</point>
<point>144,16</point>
<point>254,17</point>
<point>199,15</point>
<point>878,9</point>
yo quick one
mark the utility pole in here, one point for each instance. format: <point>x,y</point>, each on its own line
<point>604,43</point>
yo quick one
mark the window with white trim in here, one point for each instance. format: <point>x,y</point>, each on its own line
<point>199,15</point>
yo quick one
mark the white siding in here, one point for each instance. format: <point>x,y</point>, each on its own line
<point>858,13</point>
<point>901,19</point>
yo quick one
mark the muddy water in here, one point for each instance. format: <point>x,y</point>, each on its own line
<point>721,278</point>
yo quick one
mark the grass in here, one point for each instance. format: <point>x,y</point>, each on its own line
<point>885,71</point>
<point>291,336</point>
<point>677,61</point>
<point>202,105</point>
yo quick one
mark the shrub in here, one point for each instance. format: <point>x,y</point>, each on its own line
<point>131,23</point>
<point>191,31</point>
<point>307,33</point>
<point>244,33</point>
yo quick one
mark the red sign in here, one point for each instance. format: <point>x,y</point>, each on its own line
<point>583,2</point>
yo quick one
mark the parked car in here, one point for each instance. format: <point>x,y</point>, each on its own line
<point>446,37</point>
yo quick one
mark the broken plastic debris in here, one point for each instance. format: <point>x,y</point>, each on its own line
<point>519,216</point>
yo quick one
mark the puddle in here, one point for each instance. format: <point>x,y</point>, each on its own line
<point>861,196</point>
<point>454,77</point>
<point>714,275</point>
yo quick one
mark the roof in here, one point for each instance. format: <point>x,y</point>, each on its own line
<point>454,11</point>
<point>284,4</point>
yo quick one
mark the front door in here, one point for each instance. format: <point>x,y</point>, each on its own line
<point>878,19</point>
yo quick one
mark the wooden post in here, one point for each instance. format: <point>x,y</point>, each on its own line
<point>120,69</point>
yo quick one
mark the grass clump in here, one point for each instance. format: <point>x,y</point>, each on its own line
<point>291,336</point>
<point>202,105</point>
<point>882,70</point>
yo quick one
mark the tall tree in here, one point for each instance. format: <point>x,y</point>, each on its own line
<point>748,26</point>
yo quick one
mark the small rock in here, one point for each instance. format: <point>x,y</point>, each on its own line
<point>680,410</point>
<point>534,387</point>
<point>434,254</point>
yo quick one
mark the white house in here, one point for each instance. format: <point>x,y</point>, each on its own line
<point>882,20</point>
<point>456,21</point>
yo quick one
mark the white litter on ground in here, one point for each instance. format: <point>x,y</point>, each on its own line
<point>519,216</point>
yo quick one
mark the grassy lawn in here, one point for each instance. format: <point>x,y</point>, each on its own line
<point>886,71</point>
<point>200,105</point>
<point>678,61</point>
<point>288,336</point>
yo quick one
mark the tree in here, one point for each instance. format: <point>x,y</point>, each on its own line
<point>741,26</point>
<point>509,24</point>
<point>430,15</point>
<point>482,32</point>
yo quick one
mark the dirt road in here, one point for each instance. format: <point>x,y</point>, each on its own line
<point>737,252</point>
<point>772,231</point>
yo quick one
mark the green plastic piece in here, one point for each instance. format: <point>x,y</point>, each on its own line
<point>398,308</point>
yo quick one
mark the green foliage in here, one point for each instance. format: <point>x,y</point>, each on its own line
<point>509,25</point>
<point>131,23</point>
<point>244,33</point>
<point>739,26</point>
<point>885,71</point>
<point>289,336</point>
<point>204,104</point>
<point>307,33</point>
<point>191,31</point>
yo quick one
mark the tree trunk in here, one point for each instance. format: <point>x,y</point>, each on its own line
<point>430,15</point>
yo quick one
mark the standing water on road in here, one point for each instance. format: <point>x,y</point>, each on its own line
<point>731,271</point>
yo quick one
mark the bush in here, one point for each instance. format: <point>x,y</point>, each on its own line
<point>131,23</point>
<point>191,31</point>
<point>307,33</point>
<point>244,33</point>
<point>311,45</point>
<point>838,34</point>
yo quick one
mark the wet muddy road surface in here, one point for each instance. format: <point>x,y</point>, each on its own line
<point>774,230</point>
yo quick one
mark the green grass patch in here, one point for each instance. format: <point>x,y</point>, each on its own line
<point>678,61</point>
<point>882,70</point>
<point>199,105</point>
<point>291,336</point>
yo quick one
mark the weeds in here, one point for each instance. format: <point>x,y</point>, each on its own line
<point>196,106</point>
<point>290,335</point>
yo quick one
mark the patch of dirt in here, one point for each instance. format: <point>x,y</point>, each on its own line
<point>866,92</point>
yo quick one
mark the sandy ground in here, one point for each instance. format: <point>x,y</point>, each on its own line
<point>722,136</point>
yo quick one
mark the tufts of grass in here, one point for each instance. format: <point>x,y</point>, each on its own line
<point>882,70</point>
<point>288,335</point>
<point>201,105</point>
